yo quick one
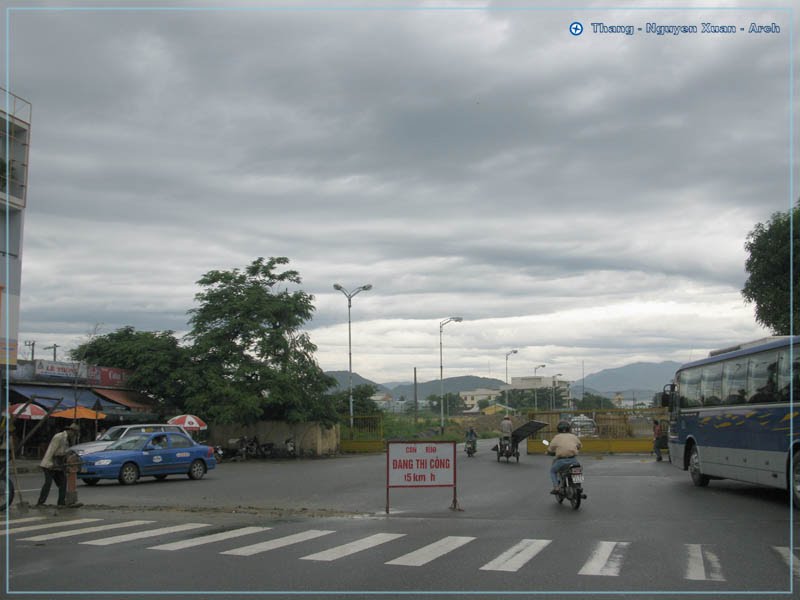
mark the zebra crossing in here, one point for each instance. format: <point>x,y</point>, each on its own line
<point>605,558</point>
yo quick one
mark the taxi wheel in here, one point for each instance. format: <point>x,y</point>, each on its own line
<point>128,474</point>
<point>197,469</point>
<point>91,480</point>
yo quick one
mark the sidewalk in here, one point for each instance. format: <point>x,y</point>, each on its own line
<point>24,465</point>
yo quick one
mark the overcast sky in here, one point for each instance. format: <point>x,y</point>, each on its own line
<point>583,199</point>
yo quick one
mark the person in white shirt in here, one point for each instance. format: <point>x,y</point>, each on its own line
<point>54,463</point>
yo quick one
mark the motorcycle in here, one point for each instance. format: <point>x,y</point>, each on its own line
<point>470,447</point>
<point>289,447</point>
<point>218,453</point>
<point>570,483</point>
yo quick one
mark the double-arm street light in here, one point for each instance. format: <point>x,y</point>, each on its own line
<point>349,295</point>
<point>553,406</point>
<point>441,367</point>
<point>507,355</point>
<point>535,388</point>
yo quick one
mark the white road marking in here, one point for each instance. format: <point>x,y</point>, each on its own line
<point>25,520</point>
<point>63,534</point>
<point>277,543</point>
<point>210,539</point>
<point>353,547</point>
<point>696,566</point>
<point>432,551</point>
<point>48,525</point>
<point>606,559</point>
<point>515,557</point>
<point>791,560</point>
<point>144,534</point>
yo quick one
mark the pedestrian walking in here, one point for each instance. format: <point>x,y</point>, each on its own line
<point>657,435</point>
<point>54,464</point>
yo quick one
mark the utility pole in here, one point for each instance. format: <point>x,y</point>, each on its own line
<point>53,348</point>
<point>416,407</point>
<point>32,345</point>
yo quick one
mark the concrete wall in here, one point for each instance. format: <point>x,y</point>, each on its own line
<point>311,439</point>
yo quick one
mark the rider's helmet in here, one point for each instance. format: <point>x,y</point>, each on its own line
<point>564,427</point>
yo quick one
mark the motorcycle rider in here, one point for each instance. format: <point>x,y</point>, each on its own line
<point>505,428</point>
<point>504,443</point>
<point>564,446</point>
<point>471,437</point>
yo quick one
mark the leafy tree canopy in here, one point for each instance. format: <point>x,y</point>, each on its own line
<point>161,367</point>
<point>254,361</point>
<point>768,268</point>
<point>363,404</point>
<point>593,401</point>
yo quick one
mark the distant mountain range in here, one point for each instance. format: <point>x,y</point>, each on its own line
<point>639,381</point>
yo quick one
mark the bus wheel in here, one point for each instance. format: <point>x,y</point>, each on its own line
<point>698,478</point>
<point>795,480</point>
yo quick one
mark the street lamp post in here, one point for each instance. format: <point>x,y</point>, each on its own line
<point>441,368</point>
<point>553,405</point>
<point>349,296</point>
<point>507,355</point>
<point>536,389</point>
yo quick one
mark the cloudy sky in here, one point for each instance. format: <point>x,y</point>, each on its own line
<point>583,199</point>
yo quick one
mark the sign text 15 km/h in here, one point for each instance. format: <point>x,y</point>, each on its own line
<point>421,464</point>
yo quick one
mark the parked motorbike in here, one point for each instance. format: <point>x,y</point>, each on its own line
<point>289,447</point>
<point>470,447</point>
<point>218,453</point>
<point>570,483</point>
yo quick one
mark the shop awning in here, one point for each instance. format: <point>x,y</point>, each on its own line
<point>133,400</point>
<point>47,397</point>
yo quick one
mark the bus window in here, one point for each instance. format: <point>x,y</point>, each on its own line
<point>762,378</point>
<point>734,381</point>
<point>785,371</point>
<point>689,387</point>
<point>711,385</point>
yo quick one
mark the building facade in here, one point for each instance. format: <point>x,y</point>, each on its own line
<point>15,114</point>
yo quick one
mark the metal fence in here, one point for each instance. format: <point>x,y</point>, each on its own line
<point>607,430</point>
<point>365,435</point>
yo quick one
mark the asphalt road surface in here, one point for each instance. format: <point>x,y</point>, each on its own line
<point>312,527</point>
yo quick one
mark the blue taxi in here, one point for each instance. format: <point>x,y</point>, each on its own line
<point>148,454</point>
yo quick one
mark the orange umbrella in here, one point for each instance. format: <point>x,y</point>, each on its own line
<point>79,412</point>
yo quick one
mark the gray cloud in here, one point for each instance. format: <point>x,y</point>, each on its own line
<point>553,190</point>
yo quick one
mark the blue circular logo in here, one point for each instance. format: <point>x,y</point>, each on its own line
<point>575,28</point>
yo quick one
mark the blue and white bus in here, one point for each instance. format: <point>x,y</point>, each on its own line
<point>732,415</point>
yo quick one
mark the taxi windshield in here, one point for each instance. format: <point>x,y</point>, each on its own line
<point>111,435</point>
<point>132,442</point>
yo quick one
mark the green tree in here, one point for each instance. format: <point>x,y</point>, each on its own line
<point>768,267</point>
<point>593,401</point>
<point>161,367</point>
<point>453,403</point>
<point>363,404</point>
<point>255,362</point>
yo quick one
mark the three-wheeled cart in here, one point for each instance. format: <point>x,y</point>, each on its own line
<point>508,448</point>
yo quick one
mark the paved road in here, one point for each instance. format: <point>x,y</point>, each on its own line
<point>643,528</point>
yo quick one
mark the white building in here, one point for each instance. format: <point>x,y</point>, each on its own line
<point>15,115</point>
<point>472,397</point>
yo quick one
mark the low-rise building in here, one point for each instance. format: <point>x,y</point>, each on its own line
<point>472,397</point>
